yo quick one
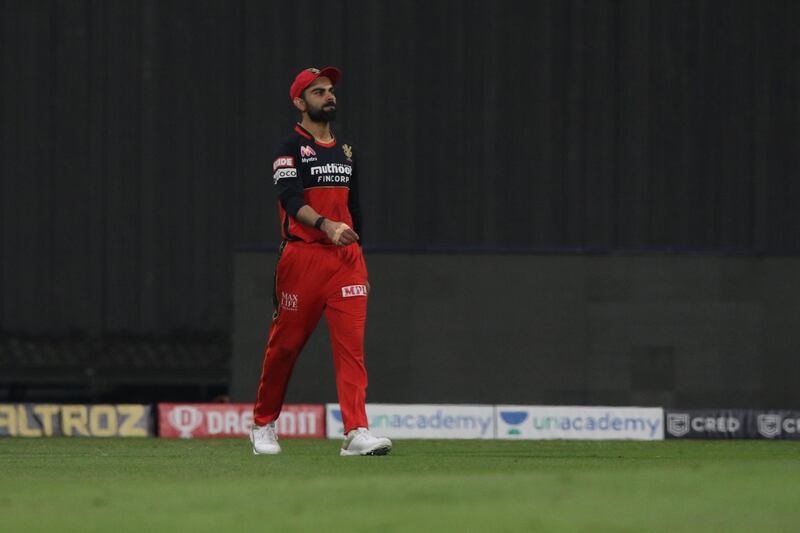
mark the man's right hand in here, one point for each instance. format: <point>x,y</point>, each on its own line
<point>339,233</point>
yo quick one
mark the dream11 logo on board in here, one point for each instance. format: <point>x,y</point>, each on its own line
<point>186,419</point>
<point>513,418</point>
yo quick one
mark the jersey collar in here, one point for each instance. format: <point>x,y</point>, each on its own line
<point>307,134</point>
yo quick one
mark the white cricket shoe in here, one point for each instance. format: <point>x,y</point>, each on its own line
<point>361,442</point>
<point>265,440</point>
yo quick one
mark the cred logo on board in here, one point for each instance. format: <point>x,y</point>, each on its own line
<point>680,424</point>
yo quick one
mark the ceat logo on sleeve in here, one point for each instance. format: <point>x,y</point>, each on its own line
<point>354,290</point>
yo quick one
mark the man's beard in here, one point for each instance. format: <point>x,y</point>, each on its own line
<point>320,114</point>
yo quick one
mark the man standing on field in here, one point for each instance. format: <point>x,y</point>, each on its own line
<point>320,268</point>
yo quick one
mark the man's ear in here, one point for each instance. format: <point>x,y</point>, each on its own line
<point>300,104</point>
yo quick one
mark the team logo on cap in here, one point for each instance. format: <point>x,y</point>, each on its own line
<point>313,70</point>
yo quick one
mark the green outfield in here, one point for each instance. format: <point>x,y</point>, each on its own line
<point>150,485</point>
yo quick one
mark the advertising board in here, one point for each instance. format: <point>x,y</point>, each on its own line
<point>420,421</point>
<point>579,422</point>
<point>732,424</point>
<point>219,420</point>
<point>75,420</point>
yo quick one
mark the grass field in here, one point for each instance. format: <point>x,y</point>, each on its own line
<point>118,485</point>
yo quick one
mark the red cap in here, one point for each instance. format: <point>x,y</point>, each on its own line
<point>307,77</point>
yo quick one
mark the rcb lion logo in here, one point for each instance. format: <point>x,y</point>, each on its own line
<point>348,151</point>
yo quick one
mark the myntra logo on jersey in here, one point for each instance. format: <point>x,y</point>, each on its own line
<point>307,154</point>
<point>332,173</point>
<point>595,423</point>
<point>421,421</point>
<point>234,420</point>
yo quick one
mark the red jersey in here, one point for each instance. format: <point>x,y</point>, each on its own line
<point>320,175</point>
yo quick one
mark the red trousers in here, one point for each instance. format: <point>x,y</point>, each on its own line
<point>312,279</point>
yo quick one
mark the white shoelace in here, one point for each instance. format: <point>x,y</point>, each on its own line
<point>267,432</point>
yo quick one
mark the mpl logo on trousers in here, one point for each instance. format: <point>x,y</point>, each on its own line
<point>212,420</point>
<point>354,290</point>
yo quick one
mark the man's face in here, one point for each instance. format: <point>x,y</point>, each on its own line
<point>320,100</point>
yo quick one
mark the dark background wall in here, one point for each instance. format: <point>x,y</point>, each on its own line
<point>136,142</point>
<point>137,137</point>
<point>673,331</point>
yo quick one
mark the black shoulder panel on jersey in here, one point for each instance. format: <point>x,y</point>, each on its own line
<point>285,174</point>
